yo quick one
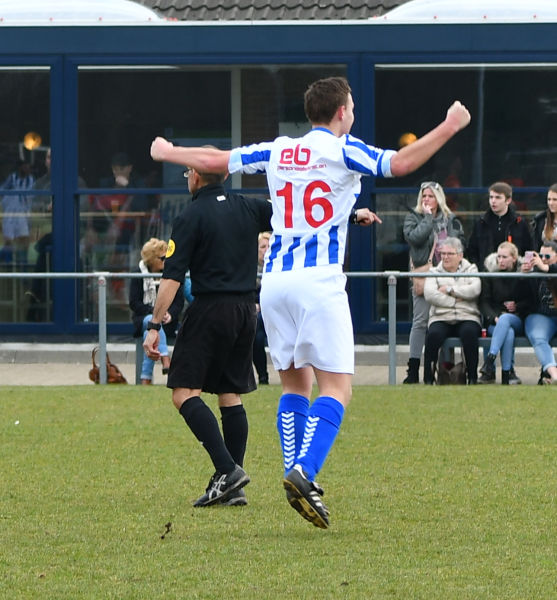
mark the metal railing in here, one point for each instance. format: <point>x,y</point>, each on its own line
<point>392,278</point>
<point>101,277</point>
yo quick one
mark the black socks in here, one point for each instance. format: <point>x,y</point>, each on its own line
<point>235,431</point>
<point>204,425</point>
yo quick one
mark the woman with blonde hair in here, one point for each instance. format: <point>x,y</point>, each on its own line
<point>544,224</point>
<point>143,293</point>
<point>504,304</point>
<point>425,228</point>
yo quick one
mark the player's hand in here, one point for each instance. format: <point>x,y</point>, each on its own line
<point>159,147</point>
<point>364,216</point>
<point>458,116</point>
<point>151,344</point>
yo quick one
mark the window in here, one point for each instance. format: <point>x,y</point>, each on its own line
<point>513,108</point>
<point>25,204</point>
<point>122,109</point>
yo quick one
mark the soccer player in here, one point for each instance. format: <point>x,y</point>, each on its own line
<point>314,181</point>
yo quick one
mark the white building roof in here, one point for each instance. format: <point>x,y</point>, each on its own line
<point>68,12</point>
<point>472,11</point>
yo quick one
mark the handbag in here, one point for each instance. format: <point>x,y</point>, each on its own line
<point>113,373</point>
<point>418,283</point>
<point>451,374</point>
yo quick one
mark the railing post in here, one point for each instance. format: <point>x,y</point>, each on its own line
<point>391,283</point>
<point>101,287</point>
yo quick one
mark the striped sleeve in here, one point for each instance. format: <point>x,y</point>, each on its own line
<point>249,159</point>
<point>367,160</point>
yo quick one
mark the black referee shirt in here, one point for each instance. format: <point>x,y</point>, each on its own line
<point>215,238</point>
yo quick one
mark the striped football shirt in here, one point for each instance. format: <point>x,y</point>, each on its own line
<point>314,182</point>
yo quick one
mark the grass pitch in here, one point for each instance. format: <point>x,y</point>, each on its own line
<point>435,493</point>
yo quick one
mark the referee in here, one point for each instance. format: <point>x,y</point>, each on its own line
<point>215,238</point>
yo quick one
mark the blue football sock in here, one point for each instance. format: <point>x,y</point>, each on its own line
<point>322,425</point>
<point>291,421</point>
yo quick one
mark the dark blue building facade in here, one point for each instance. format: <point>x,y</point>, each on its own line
<point>74,97</point>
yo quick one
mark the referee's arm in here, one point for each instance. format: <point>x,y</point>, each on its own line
<point>165,296</point>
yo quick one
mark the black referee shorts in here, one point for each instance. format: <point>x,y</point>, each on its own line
<point>214,346</point>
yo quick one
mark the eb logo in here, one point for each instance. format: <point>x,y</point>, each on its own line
<point>295,156</point>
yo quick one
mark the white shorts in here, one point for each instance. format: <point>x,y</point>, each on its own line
<point>15,227</point>
<point>307,319</point>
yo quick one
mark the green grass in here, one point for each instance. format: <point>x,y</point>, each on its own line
<point>435,493</point>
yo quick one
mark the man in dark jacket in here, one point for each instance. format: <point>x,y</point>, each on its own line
<point>215,238</point>
<point>500,223</point>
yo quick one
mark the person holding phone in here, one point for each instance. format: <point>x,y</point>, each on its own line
<point>529,256</point>
<point>541,325</point>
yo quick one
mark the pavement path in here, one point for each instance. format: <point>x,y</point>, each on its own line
<point>77,374</point>
<point>69,364</point>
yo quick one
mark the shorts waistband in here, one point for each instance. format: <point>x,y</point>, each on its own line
<point>236,297</point>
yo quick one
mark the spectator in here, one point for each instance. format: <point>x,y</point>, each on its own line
<point>500,223</point>
<point>454,309</point>
<point>39,294</point>
<point>541,325</point>
<point>504,304</point>
<point>260,340</point>
<point>116,205</point>
<point>16,208</point>
<point>425,228</point>
<point>38,309</point>
<point>111,227</point>
<point>544,224</point>
<point>143,293</point>
<point>188,296</point>
<point>43,182</point>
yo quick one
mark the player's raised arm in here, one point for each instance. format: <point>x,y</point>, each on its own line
<point>203,160</point>
<point>413,156</point>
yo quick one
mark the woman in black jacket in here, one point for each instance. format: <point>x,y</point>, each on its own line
<point>143,293</point>
<point>504,303</point>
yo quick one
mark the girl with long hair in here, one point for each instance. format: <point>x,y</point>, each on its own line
<point>544,224</point>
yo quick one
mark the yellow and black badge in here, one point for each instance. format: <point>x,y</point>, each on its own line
<point>170,249</point>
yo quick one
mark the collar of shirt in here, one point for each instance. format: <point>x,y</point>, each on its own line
<point>212,188</point>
